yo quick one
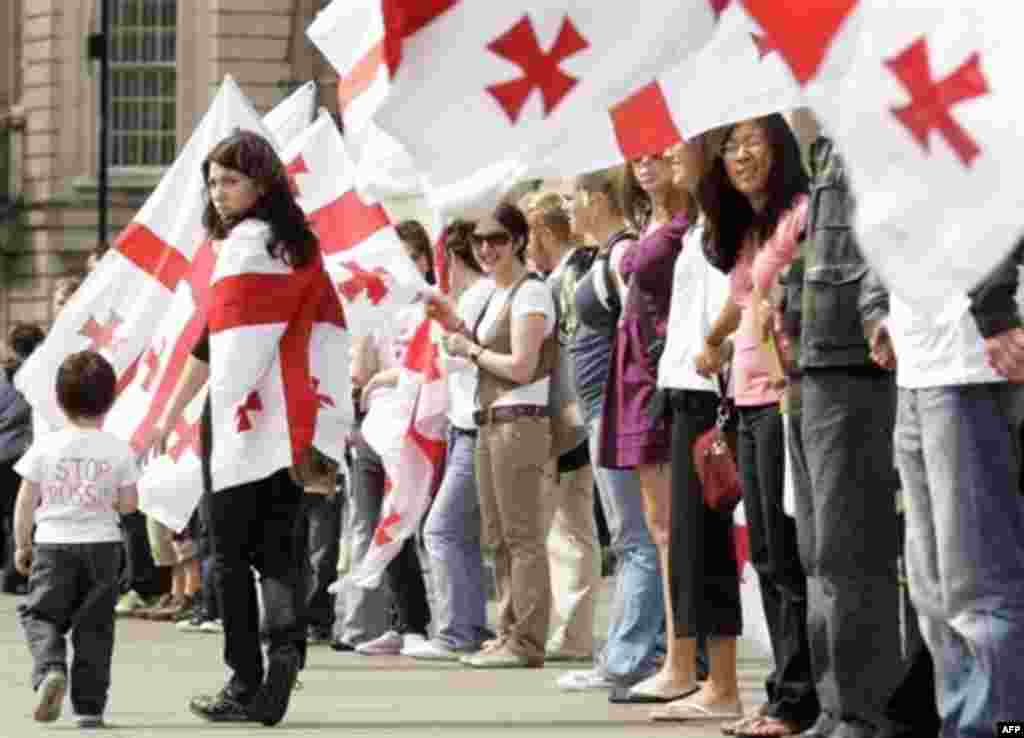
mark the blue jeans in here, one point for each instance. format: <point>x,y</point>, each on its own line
<point>451,536</point>
<point>636,631</point>
<point>958,452</point>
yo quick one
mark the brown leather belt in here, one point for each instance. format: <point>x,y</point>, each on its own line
<point>508,413</point>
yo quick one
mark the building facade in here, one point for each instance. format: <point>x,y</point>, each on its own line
<point>167,59</point>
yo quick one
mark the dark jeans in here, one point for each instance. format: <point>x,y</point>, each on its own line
<point>319,532</point>
<point>850,541</point>
<point>9,484</point>
<point>253,526</point>
<point>775,557</point>
<point>73,587</point>
<point>705,584</point>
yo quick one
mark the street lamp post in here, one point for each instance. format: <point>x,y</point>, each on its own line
<point>99,49</point>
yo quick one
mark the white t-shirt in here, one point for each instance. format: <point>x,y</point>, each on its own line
<point>533,298</point>
<point>698,293</point>
<point>462,373</point>
<point>938,349</point>
<point>80,473</point>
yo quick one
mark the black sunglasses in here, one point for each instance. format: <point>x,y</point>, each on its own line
<point>494,239</point>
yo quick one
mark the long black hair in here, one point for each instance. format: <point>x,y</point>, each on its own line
<point>728,214</point>
<point>293,240</point>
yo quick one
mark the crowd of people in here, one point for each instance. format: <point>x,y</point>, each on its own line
<point>591,339</point>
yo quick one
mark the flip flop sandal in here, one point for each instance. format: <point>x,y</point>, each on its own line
<point>688,711</point>
<point>737,727</point>
<point>626,696</point>
<point>785,728</point>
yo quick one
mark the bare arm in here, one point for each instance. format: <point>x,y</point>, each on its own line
<point>725,324</point>
<point>365,362</point>
<point>127,499</point>
<point>24,514</point>
<point>518,366</point>
<point>193,377</point>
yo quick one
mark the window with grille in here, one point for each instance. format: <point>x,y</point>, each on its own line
<point>142,82</point>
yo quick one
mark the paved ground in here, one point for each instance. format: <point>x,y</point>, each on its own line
<point>156,670</point>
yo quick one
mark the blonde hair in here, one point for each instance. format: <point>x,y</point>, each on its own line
<point>548,208</point>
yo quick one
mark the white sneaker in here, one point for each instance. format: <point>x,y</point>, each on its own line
<point>411,642</point>
<point>389,644</point>
<point>579,681</point>
<point>212,626</point>
<point>433,651</point>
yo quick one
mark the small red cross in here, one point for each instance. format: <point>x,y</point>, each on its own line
<point>372,282</point>
<point>931,101</point>
<point>152,362</point>
<point>381,537</point>
<point>252,403</point>
<point>323,400</point>
<point>188,437</point>
<point>763,44</point>
<point>519,45</point>
<point>293,170</point>
<point>101,335</point>
<point>741,548</point>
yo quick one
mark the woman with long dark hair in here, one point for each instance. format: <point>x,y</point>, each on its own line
<point>755,204</point>
<point>251,214</point>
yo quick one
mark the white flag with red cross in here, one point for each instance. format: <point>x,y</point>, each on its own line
<point>755,626</point>
<point>119,307</point>
<point>922,99</point>
<point>368,265</point>
<point>292,116</point>
<point>407,427</point>
<point>264,394</point>
<point>521,78</point>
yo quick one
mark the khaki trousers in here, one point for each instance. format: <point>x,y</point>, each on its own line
<point>510,460</point>
<point>574,556</point>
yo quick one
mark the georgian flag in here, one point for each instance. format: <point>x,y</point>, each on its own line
<point>292,116</point>
<point>367,263</point>
<point>406,427</point>
<point>922,99</point>
<point>471,87</point>
<point>262,316</point>
<point>119,307</point>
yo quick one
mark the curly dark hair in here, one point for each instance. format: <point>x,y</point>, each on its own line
<point>728,214</point>
<point>293,240</point>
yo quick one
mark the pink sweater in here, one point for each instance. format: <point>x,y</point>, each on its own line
<point>751,366</point>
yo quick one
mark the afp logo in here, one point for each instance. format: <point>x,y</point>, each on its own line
<point>1010,727</point>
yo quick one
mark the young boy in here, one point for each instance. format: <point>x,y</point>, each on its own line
<point>75,483</point>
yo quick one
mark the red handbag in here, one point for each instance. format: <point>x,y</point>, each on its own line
<point>715,462</point>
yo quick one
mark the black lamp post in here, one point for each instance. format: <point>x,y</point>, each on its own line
<point>99,50</point>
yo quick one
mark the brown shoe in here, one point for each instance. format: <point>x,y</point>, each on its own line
<point>164,609</point>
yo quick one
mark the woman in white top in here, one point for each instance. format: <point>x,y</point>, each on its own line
<point>451,532</point>
<point>703,579</point>
<point>514,346</point>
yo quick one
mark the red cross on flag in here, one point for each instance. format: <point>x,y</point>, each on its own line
<point>367,263</point>
<point>755,626</point>
<point>466,84</point>
<point>926,115</point>
<point>127,296</point>
<point>407,427</point>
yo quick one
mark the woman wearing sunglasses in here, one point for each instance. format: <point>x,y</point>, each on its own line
<point>515,349</point>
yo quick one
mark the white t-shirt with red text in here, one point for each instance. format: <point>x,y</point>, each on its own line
<point>80,473</point>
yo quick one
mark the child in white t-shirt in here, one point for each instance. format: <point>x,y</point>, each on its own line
<point>76,483</point>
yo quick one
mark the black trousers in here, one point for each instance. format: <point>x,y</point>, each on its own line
<point>73,587</point>
<point>319,534</point>
<point>705,585</point>
<point>775,556</point>
<point>252,526</point>
<point>9,484</point>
